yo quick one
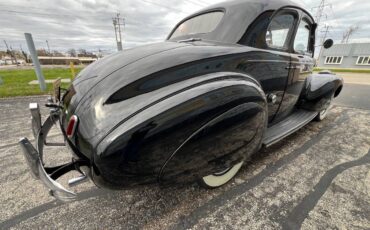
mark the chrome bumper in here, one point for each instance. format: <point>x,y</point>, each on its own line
<point>34,156</point>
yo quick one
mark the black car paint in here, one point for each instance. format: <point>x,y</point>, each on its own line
<point>176,111</point>
<point>318,90</point>
<point>142,148</point>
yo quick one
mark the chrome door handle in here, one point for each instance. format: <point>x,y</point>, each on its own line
<point>290,67</point>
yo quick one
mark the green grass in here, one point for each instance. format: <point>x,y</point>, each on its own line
<point>15,82</point>
<point>345,70</point>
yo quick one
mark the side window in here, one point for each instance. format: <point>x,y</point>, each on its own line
<point>302,39</point>
<point>279,31</point>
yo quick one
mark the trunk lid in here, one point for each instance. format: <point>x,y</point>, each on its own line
<point>146,74</point>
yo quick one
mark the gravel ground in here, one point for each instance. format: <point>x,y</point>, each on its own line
<point>318,178</point>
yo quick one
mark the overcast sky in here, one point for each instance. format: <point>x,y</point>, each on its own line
<point>88,23</point>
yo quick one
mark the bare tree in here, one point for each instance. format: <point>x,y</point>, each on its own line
<point>42,52</point>
<point>72,52</point>
<point>2,54</point>
<point>82,52</point>
<point>348,33</point>
<point>57,53</point>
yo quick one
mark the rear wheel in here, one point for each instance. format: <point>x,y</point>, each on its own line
<point>219,179</point>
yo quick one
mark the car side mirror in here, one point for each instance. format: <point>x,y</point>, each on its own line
<point>328,43</point>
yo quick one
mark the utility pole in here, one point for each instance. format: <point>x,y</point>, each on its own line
<point>348,33</point>
<point>11,53</point>
<point>117,23</point>
<point>320,12</point>
<point>325,31</point>
<point>47,43</point>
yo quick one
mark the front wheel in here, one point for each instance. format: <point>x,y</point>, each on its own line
<point>323,113</point>
<point>219,179</point>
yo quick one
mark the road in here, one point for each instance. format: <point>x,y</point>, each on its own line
<point>356,93</point>
<point>355,96</point>
<point>318,178</point>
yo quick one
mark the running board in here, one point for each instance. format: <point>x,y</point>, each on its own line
<point>287,127</point>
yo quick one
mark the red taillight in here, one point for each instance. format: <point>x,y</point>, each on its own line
<point>72,125</point>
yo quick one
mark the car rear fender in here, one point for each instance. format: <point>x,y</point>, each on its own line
<point>226,140</point>
<point>137,150</point>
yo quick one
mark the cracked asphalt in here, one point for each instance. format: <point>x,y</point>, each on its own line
<point>318,178</point>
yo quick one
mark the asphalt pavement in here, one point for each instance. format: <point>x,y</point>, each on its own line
<point>318,178</point>
<point>355,96</point>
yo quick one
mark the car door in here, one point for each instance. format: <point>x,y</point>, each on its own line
<point>302,64</point>
<point>269,64</point>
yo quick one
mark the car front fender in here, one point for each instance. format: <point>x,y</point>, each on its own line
<point>318,90</point>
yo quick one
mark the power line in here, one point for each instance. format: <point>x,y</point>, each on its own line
<point>203,2</point>
<point>69,24</point>
<point>320,11</point>
<point>164,6</point>
<point>196,3</point>
<point>34,13</point>
<point>326,31</point>
<point>48,15</point>
<point>69,15</point>
<point>86,13</point>
<point>319,14</point>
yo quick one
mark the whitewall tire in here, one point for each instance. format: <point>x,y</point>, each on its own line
<point>219,179</point>
<point>323,113</point>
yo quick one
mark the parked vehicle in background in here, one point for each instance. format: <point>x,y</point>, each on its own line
<point>228,80</point>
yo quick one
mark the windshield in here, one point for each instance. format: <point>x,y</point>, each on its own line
<point>201,24</point>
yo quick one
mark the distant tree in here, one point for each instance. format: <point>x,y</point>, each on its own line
<point>18,54</point>
<point>72,52</point>
<point>25,56</point>
<point>57,54</point>
<point>42,52</point>
<point>2,54</point>
<point>12,54</point>
<point>82,52</point>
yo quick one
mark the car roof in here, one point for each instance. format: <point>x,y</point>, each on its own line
<point>239,14</point>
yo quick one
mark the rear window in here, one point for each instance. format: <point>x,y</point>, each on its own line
<point>201,24</point>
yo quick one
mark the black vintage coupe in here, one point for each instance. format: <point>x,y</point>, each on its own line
<point>229,80</point>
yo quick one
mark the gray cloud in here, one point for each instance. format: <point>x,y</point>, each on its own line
<point>88,23</point>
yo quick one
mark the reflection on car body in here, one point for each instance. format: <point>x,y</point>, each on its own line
<point>228,80</point>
